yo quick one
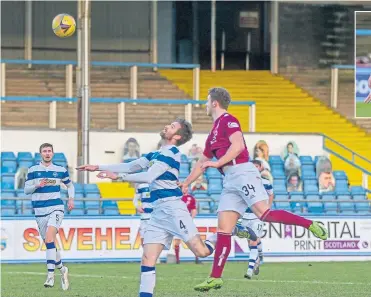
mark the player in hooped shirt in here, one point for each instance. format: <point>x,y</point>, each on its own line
<point>242,184</point>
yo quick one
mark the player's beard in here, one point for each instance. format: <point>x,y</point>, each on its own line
<point>163,135</point>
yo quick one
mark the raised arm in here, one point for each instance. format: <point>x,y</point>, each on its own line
<point>157,169</point>
<point>130,167</point>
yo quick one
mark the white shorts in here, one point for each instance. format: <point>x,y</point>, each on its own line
<point>255,224</point>
<point>142,227</point>
<point>53,219</point>
<point>169,219</point>
<point>242,188</point>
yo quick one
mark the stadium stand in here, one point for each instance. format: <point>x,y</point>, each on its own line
<point>88,202</point>
<point>105,83</point>
<point>289,110</point>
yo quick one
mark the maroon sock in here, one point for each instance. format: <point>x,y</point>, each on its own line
<point>222,249</point>
<point>176,248</point>
<point>285,217</point>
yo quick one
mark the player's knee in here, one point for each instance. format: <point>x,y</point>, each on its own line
<point>253,243</point>
<point>49,239</point>
<point>148,260</point>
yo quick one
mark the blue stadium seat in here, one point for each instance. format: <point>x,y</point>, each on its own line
<point>109,204</point>
<point>362,207</point>
<point>78,195</point>
<point>279,197</point>
<point>7,186</point>
<point>200,194</point>
<point>359,197</point>
<point>344,197</point>
<point>300,200</point>
<point>92,195</point>
<point>315,207</point>
<point>342,191</point>
<point>313,197</point>
<point>308,175</point>
<point>307,167</point>
<point>340,175</point>
<point>342,183</point>
<point>330,207</point>
<point>61,163</point>
<point>214,188</point>
<point>24,156</point>
<point>184,167</point>
<point>25,212</point>
<point>279,182</point>
<point>37,157</point>
<point>316,159</point>
<point>8,170</point>
<point>306,160</point>
<point>7,212</point>
<point>8,156</point>
<point>77,212</point>
<point>184,159</point>
<point>79,188</point>
<point>79,204</point>
<point>64,195</point>
<point>357,190</point>
<point>310,182</point>
<point>25,164</point>
<point>92,212</point>
<point>346,206</point>
<point>280,189</point>
<point>282,205</point>
<point>7,194</point>
<point>9,163</point>
<point>328,196</point>
<point>279,174</point>
<point>183,174</point>
<point>91,188</point>
<point>111,212</point>
<point>275,160</point>
<point>277,167</point>
<point>59,157</point>
<point>92,204</point>
<point>296,207</point>
<point>310,189</point>
<point>216,197</point>
<point>212,172</point>
<point>332,212</point>
<point>7,203</point>
<point>348,212</point>
<point>298,211</point>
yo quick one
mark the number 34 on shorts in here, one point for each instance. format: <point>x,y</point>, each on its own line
<point>249,190</point>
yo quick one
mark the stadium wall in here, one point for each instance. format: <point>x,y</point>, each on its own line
<point>120,31</point>
<point>107,147</point>
<point>113,239</point>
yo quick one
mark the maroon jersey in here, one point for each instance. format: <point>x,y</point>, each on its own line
<point>190,201</point>
<point>217,143</point>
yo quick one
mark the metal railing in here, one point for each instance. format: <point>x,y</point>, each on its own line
<point>210,201</point>
<point>121,110</point>
<point>69,65</point>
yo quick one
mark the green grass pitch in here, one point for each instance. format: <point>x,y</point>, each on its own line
<point>333,279</point>
<point>363,110</point>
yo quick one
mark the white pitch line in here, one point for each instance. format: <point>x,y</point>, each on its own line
<point>227,279</point>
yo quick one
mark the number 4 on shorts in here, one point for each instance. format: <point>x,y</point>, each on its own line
<point>182,226</point>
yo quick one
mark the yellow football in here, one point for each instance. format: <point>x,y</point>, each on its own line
<point>64,25</point>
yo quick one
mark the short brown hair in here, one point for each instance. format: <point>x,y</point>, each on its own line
<point>185,131</point>
<point>221,96</point>
<point>44,145</point>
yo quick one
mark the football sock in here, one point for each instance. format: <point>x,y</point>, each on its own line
<point>58,262</point>
<point>260,250</point>
<point>253,257</point>
<point>285,217</point>
<point>222,249</point>
<point>51,256</point>
<point>176,248</point>
<point>147,281</point>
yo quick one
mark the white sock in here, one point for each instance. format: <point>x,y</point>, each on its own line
<point>58,262</point>
<point>147,281</point>
<point>260,249</point>
<point>210,242</point>
<point>253,257</point>
<point>51,256</point>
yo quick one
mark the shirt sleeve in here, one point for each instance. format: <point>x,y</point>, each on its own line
<point>230,125</point>
<point>158,168</point>
<point>130,167</point>
<point>66,177</point>
<point>192,205</point>
<point>29,186</point>
<point>207,150</point>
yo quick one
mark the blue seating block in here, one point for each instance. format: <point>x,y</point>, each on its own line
<point>8,156</point>
<point>25,164</point>
<point>358,190</point>
<point>340,175</point>
<point>91,188</point>
<point>346,206</point>
<point>315,207</point>
<point>7,212</point>
<point>362,206</point>
<point>24,156</point>
<point>77,212</point>
<point>92,212</point>
<point>111,212</point>
<point>275,160</point>
<point>330,206</point>
<point>79,188</point>
<point>306,160</point>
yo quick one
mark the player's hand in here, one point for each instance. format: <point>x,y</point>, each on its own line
<point>108,174</point>
<point>70,204</point>
<point>207,164</point>
<point>42,183</point>
<point>140,209</point>
<point>88,167</point>
<point>184,187</point>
